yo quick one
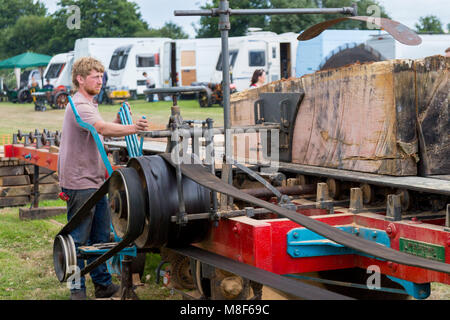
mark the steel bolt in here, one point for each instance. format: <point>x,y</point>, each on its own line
<point>297,252</point>
<point>295,235</point>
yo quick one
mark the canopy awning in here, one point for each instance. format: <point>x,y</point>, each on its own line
<point>25,60</point>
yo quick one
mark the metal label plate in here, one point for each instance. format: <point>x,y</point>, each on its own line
<point>423,249</point>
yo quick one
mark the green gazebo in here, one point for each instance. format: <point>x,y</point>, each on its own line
<point>25,60</point>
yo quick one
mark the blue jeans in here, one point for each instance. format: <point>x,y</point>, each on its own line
<point>94,229</point>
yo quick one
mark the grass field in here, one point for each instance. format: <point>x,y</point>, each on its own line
<point>26,263</point>
<point>22,116</point>
<point>26,266</point>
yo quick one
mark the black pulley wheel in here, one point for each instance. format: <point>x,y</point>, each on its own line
<point>159,182</point>
<point>127,203</point>
<point>64,257</point>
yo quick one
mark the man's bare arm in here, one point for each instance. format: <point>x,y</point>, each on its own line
<point>111,129</point>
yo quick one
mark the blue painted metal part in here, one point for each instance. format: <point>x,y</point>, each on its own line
<point>417,290</point>
<point>302,243</point>
<point>132,141</point>
<point>345,284</point>
<point>127,138</point>
<point>94,133</point>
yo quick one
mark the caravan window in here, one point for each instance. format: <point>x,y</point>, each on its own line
<point>145,61</point>
<point>54,70</point>
<point>233,55</point>
<point>119,58</point>
<point>257,59</point>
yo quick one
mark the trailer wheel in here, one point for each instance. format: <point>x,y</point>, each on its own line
<point>61,100</point>
<point>24,95</point>
<point>204,98</point>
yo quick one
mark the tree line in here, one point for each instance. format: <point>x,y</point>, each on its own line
<point>26,25</point>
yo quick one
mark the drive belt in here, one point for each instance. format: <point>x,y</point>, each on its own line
<point>296,288</point>
<point>202,176</point>
<point>134,207</point>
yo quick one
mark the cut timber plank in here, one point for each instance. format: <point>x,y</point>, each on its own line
<point>14,180</point>
<point>12,171</point>
<point>47,188</point>
<point>359,117</point>
<point>14,191</point>
<point>433,104</point>
<point>349,119</point>
<point>14,201</point>
<point>40,213</point>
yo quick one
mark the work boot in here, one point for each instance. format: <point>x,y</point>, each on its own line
<point>106,291</point>
<point>78,295</point>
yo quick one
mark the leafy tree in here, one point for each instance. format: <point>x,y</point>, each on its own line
<point>209,26</point>
<point>292,23</point>
<point>285,23</point>
<point>169,30</point>
<point>12,10</point>
<point>365,8</point>
<point>98,18</point>
<point>429,24</point>
<point>29,33</point>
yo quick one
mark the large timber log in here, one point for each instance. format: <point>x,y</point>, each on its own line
<point>365,117</point>
<point>433,99</point>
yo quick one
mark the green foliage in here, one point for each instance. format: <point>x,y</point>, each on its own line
<point>365,8</point>
<point>29,33</point>
<point>209,26</point>
<point>429,24</point>
<point>285,23</point>
<point>12,10</point>
<point>169,30</point>
<point>292,23</point>
<point>99,18</point>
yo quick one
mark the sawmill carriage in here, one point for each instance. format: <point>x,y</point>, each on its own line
<point>331,176</point>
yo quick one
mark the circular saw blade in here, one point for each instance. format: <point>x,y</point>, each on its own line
<point>398,31</point>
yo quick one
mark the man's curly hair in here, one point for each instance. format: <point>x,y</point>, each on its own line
<point>83,67</point>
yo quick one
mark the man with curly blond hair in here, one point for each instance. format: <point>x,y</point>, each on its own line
<point>81,169</point>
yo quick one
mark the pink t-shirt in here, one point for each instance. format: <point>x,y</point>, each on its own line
<point>80,165</point>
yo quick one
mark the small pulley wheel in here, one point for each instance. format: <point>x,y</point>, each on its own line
<point>64,257</point>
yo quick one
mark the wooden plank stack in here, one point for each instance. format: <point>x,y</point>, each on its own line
<point>16,183</point>
<point>388,117</point>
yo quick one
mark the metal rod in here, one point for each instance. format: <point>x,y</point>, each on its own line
<point>205,131</point>
<point>239,12</point>
<point>290,190</point>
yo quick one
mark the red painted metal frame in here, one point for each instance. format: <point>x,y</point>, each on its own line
<point>263,244</point>
<point>41,157</point>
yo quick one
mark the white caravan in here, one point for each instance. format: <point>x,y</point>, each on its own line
<point>432,44</point>
<point>59,70</point>
<point>130,61</point>
<point>190,61</point>
<point>274,53</point>
<point>100,48</point>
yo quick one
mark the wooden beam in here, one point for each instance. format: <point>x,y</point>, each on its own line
<point>40,213</point>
